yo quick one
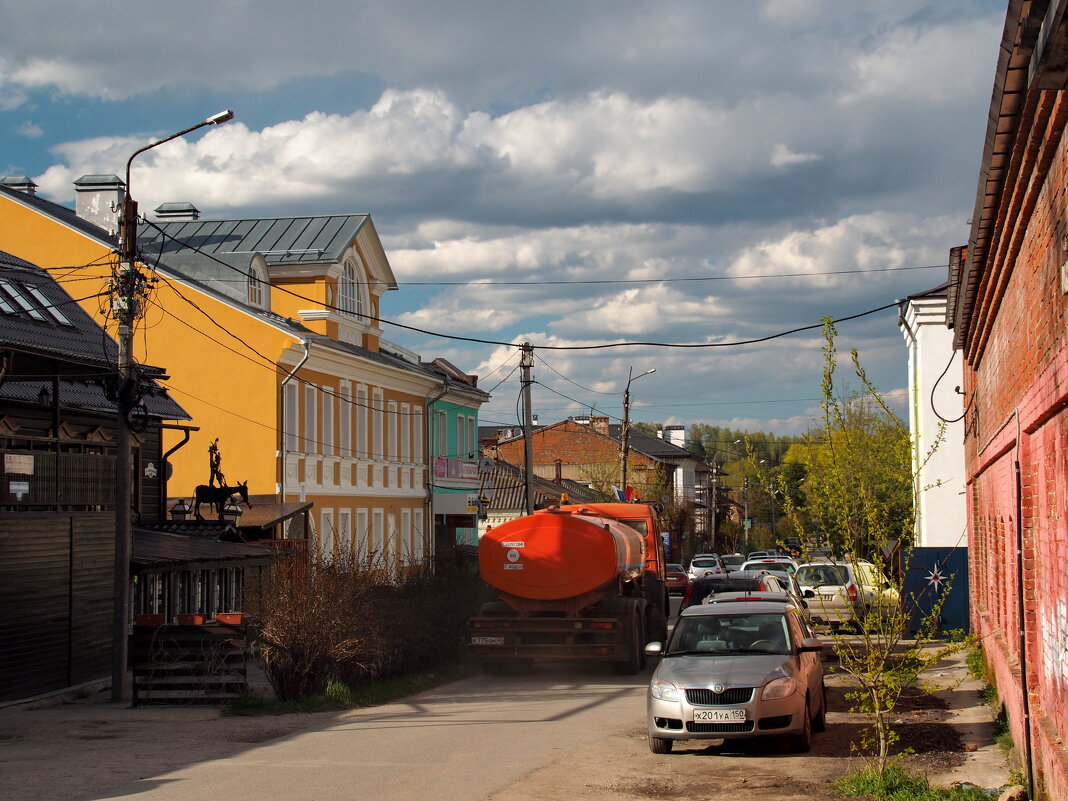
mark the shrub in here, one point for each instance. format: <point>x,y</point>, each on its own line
<point>339,619</point>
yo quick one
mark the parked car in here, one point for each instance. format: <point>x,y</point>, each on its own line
<point>737,670</point>
<point>677,579</point>
<point>732,561</point>
<point>833,596</point>
<point>705,564</point>
<point>778,581</point>
<point>759,554</point>
<point>879,595</point>
<point>770,563</point>
<point>701,588</point>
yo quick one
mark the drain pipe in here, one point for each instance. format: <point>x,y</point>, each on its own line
<point>282,415</point>
<point>165,462</point>
<point>1022,619</point>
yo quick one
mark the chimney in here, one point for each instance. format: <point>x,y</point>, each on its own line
<point>177,211</point>
<point>98,198</point>
<point>581,419</point>
<point>20,183</point>
<point>676,435</point>
<point>599,424</point>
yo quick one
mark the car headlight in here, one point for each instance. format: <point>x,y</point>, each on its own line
<point>663,690</point>
<point>778,688</point>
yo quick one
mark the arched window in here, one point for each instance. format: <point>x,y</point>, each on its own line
<point>351,292</point>
<point>259,286</point>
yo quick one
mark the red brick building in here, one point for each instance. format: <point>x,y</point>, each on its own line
<point>1008,306</point>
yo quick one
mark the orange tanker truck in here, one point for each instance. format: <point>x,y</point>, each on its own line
<point>575,582</point>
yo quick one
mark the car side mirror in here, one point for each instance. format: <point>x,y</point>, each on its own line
<point>809,594</point>
<point>811,644</point>
<point>653,648</point>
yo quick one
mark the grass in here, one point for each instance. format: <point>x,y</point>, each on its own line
<point>898,785</point>
<point>339,695</point>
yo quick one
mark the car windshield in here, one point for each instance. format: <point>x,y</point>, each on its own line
<point>733,561</point>
<point>730,634</point>
<point>676,569</point>
<point>821,575</point>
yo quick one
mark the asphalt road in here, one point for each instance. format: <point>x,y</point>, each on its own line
<point>468,740</point>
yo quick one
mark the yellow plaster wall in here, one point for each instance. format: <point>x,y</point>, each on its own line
<point>229,391</point>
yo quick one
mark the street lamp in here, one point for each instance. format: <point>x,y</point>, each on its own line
<point>625,438</point>
<point>128,286</point>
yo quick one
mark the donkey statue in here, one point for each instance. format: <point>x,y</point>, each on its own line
<point>216,497</point>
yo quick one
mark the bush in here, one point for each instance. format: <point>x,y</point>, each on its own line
<point>894,784</point>
<point>340,620</point>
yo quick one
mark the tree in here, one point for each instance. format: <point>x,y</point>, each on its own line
<point>861,494</point>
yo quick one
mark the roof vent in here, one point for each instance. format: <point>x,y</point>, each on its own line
<point>98,199</point>
<point>20,183</point>
<point>177,211</point>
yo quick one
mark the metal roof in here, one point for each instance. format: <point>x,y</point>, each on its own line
<point>506,489</point>
<point>280,240</point>
<point>159,548</point>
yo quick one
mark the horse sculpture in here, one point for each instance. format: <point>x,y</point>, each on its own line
<point>216,497</point>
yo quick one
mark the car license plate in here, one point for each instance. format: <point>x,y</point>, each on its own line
<point>487,640</point>
<point>826,597</point>
<point>720,715</point>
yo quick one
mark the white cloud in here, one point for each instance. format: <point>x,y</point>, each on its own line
<point>782,156</point>
<point>30,130</point>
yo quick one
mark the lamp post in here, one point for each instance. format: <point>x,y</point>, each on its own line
<point>625,433</point>
<point>128,286</point>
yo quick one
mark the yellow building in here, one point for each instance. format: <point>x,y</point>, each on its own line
<point>269,330</point>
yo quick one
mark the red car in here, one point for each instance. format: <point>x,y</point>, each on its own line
<point>677,579</point>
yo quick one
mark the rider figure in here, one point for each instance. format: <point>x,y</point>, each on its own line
<point>215,463</point>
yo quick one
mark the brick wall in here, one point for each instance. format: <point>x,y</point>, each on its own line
<point>1016,381</point>
<point>582,450</point>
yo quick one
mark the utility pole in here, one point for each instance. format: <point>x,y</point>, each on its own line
<point>128,285</point>
<point>745,516</point>
<point>624,438</point>
<point>526,362</point>
<point>713,502</point>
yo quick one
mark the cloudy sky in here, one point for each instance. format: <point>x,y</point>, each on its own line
<point>570,173</point>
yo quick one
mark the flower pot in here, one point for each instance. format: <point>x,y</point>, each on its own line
<point>230,618</point>
<point>150,620</point>
<point>191,620</point>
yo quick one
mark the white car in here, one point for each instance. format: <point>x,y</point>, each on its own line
<point>706,564</point>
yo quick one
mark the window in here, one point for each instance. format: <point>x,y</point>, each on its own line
<point>48,306</point>
<point>259,285</point>
<point>443,434</point>
<point>292,412</point>
<point>360,536</point>
<point>378,411</point>
<point>472,438</point>
<point>345,421</point>
<point>326,540</point>
<point>407,546</point>
<point>378,540</point>
<point>310,432</point>
<point>417,434</point>
<point>328,422</point>
<point>405,433</point>
<point>361,423</point>
<point>392,431</point>
<point>344,534</point>
<point>461,435</point>
<point>351,289</point>
<point>417,536</point>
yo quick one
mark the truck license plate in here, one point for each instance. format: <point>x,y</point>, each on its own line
<point>720,715</point>
<point>487,640</point>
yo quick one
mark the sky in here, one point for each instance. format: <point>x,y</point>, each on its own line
<point>571,174</point>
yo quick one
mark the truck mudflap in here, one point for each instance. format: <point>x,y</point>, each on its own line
<point>591,638</point>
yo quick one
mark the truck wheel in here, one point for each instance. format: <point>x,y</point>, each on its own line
<point>660,745</point>
<point>496,609</point>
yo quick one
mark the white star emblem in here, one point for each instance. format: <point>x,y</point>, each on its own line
<point>935,578</point>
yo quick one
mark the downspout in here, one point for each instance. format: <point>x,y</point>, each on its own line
<point>1022,622</point>
<point>165,462</point>
<point>430,466</point>
<point>282,415</point>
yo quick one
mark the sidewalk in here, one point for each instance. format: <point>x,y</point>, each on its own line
<point>986,766</point>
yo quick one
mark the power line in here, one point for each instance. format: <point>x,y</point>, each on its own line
<point>477,283</point>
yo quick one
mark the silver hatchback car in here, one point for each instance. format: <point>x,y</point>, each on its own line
<point>737,669</point>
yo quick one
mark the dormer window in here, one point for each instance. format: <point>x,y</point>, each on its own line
<point>352,292</point>
<point>259,286</point>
